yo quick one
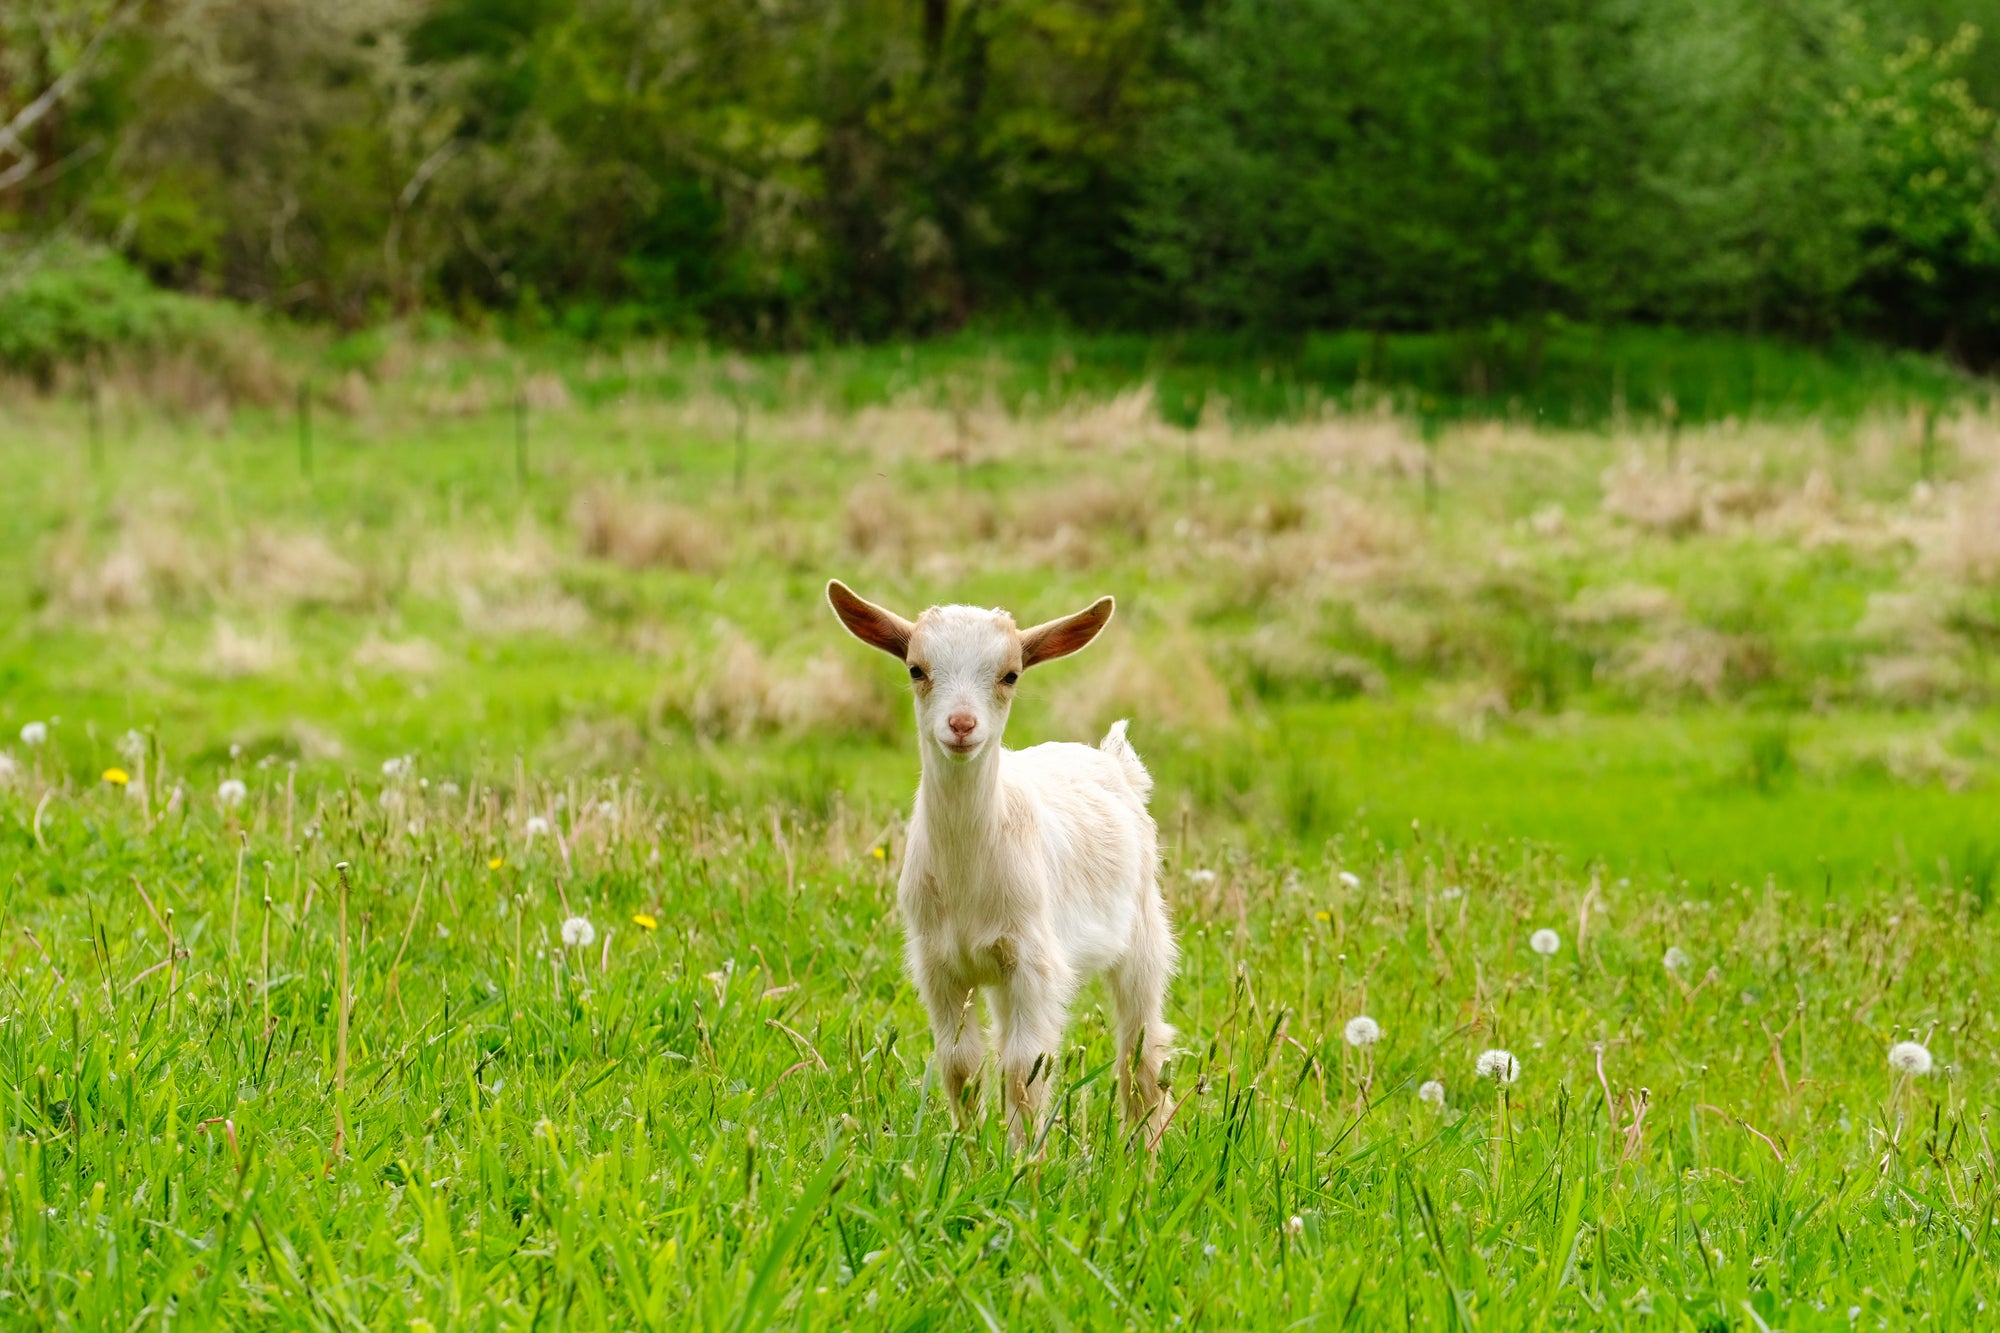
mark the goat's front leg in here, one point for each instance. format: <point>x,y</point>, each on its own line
<point>948,998</point>
<point>1032,1006</point>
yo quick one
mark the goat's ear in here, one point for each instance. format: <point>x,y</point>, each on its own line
<point>1060,638</point>
<point>872,624</point>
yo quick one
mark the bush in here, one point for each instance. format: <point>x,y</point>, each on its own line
<point>63,304</point>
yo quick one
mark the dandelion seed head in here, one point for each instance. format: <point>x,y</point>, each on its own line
<point>1545,941</point>
<point>232,791</point>
<point>1452,894</point>
<point>1295,1225</point>
<point>1201,875</point>
<point>132,746</point>
<point>1350,880</point>
<point>1431,1093</point>
<point>1910,1057</point>
<point>35,733</point>
<point>1363,1031</point>
<point>1675,959</point>
<point>578,933</point>
<point>536,826</point>
<point>1498,1065</point>
<point>398,767</point>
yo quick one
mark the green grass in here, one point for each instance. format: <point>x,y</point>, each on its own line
<point>1573,376</point>
<point>724,1120</point>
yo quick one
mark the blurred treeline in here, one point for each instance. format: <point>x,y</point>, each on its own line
<point>786,170</point>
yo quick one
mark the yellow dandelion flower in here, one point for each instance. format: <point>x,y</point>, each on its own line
<point>495,862</point>
<point>881,853</point>
<point>1323,916</point>
<point>117,777</point>
<point>644,921</point>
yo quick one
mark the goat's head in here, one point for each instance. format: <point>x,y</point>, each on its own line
<point>964,662</point>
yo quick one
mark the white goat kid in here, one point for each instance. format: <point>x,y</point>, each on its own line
<point>1027,872</point>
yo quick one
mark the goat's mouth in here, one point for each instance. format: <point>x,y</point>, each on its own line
<point>963,749</point>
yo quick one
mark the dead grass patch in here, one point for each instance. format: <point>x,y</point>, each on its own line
<point>1622,603</point>
<point>1168,682</point>
<point>1687,661</point>
<point>235,653</point>
<point>741,692</point>
<point>646,534</point>
<point>398,657</point>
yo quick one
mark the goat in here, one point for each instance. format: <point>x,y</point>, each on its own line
<point>1025,872</point>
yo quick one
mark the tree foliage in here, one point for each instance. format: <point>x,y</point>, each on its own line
<point>799,168</point>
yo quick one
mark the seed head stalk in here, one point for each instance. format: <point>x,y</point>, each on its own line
<point>340,1047</point>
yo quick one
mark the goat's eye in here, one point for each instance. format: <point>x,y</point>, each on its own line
<point>916,673</point>
<point>1010,678</point>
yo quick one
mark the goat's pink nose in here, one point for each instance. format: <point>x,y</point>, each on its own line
<point>961,724</point>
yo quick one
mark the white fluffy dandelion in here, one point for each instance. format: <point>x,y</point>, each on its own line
<point>132,746</point>
<point>1498,1065</point>
<point>1675,959</point>
<point>1203,876</point>
<point>1910,1057</point>
<point>35,733</point>
<point>1363,1031</point>
<point>1545,941</point>
<point>8,767</point>
<point>1350,880</point>
<point>1295,1225</point>
<point>578,933</point>
<point>536,827</point>
<point>1452,893</point>
<point>232,791</point>
<point>398,767</point>
<point>1431,1093</point>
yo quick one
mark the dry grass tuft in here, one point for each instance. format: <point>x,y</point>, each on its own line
<point>1091,506</point>
<point>295,568</point>
<point>1622,603</point>
<point>152,562</point>
<point>1965,545</point>
<point>399,657</point>
<point>880,519</point>
<point>446,566</point>
<point>545,392</point>
<point>1658,500</point>
<point>644,534</point>
<point>234,653</point>
<point>351,394</point>
<point>742,692</point>
<point>1168,682</point>
<point>545,611</point>
<point>1914,680</point>
<point>1688,660</point>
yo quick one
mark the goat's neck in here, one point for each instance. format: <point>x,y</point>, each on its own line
<point>961,802</point>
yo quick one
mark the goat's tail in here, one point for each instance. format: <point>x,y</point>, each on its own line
<point>1119,748</point>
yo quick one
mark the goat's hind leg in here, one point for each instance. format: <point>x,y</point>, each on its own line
<point>1139,992</point>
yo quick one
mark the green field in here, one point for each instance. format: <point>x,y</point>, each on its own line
<point>1722,682</point>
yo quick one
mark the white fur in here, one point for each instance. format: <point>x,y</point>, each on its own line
<point>1026,873</point>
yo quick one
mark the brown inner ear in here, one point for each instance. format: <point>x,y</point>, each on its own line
<point>1060,638</point>
<point>874,625</point>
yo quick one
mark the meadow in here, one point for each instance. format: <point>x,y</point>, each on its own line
<point>324,712</point>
